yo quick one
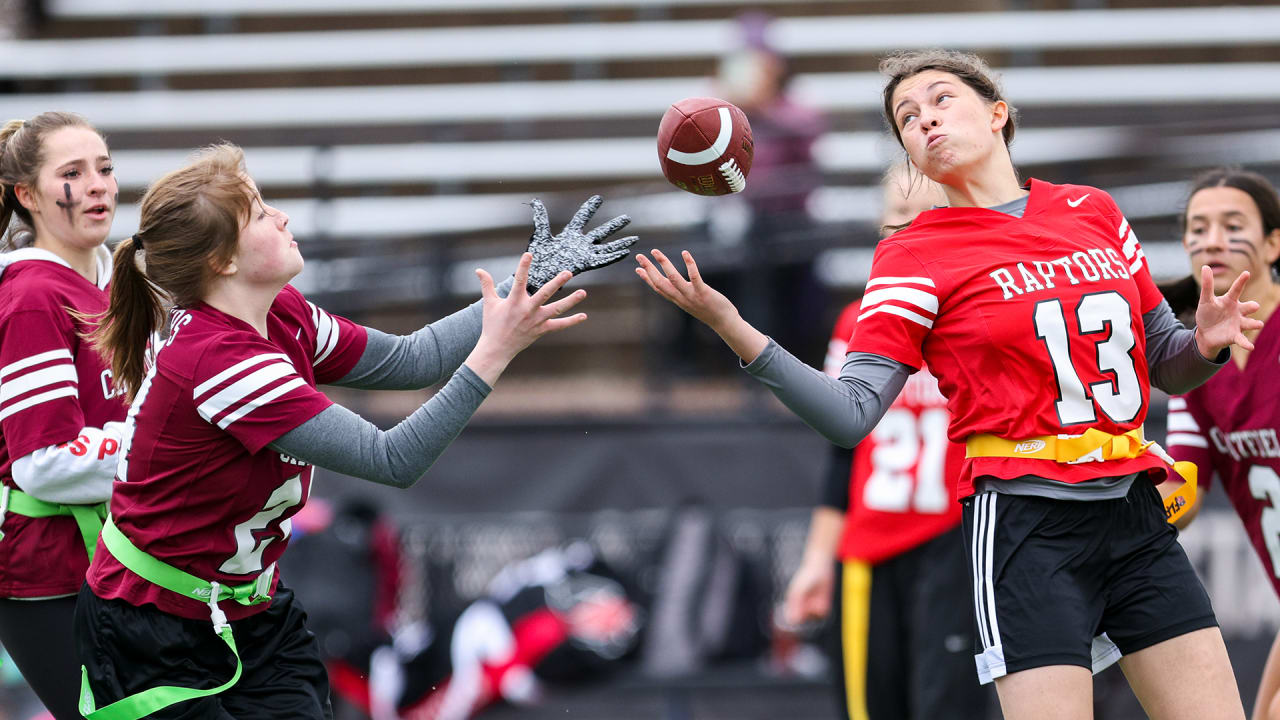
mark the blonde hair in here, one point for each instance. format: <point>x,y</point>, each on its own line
<point>191,222</point>
<point>21,157</point>
<point>969,68</point>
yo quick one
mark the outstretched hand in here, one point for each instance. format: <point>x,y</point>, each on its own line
<point>694,296</point>
<point>1222,320</point>
<point>511,324</point>
<point>572,249</point>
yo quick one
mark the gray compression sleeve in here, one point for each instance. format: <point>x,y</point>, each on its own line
<point>842,409</point>
<point>342,441</point>
<point>1173,360</point>
<point>422,359</point>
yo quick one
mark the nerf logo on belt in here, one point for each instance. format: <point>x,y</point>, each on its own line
<point>1029,446</point>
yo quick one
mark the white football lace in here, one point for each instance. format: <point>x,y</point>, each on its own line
<point>733,176</point>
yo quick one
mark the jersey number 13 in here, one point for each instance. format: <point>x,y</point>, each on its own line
<point>1107,315</point>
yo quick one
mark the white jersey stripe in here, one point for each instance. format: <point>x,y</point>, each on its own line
<point>992,623</point>
<point>332,342</point>
<point>214,381</point>
<point>1137,264</point>
<point>975,562</point>
<point>1131,245</point>
<point>1182,422</point>
<point>926,301</point>
<point>259,401</point>
<point>60,353</point>
<point>902,312</point>
<point>36,400</point>
<point>1124,227</point>
<point>44,377</point>
<point>875,282</point>
<point>244,387</point>
<point>1177,403</point>
<point>1186,440</point>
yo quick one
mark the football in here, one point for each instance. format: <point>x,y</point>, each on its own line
<point>705,146</point>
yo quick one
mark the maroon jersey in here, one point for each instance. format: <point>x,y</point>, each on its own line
<point>902,483</point>
<point>1032,325</point>
<point>52,385</point>
<point>1228,428</point>
<point>197,486</point>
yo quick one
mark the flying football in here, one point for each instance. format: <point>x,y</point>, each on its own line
<point>705,146</point>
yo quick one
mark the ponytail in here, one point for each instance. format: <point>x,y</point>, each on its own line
<point>135,311</point>
<point>8,197</point>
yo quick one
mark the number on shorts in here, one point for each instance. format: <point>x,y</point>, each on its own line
<point>1107,313</point>
<point>903,441</point>
<point>1264,484</point>
<point>249,546</point>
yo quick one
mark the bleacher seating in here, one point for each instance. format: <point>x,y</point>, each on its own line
<point>402,136</point>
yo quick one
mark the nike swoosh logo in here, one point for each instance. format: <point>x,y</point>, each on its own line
<point>1077,201</point>
<point>716,150</point>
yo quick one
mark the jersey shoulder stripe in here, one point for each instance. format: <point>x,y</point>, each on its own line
<point>1183,428</point>
<point>236,369</point>
<point>248,392</point>
<point>49,375</point>
<point>326,333</point>
<point>38,358</point>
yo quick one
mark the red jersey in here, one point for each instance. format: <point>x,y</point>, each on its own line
<point>52,385</point>
<point>1032,325</point>
<point>1228,427</point>
<point>902,485</point>
<point>198,487</point>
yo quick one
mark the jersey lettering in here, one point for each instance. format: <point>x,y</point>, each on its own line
<point>1091,265</point>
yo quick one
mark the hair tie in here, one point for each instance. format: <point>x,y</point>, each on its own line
<point>137,240</point>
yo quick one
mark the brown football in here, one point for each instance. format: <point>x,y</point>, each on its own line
<point>705,146</point>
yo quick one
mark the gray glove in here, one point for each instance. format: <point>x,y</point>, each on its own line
<point>571,249</point>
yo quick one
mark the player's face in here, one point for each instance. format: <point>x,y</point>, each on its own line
<point>1224,231</point>
<point>945,125</point>
<point>266,252</point>
<point>74,198</point>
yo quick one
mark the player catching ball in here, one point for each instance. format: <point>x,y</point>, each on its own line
<point>60,413</point>
<point>1228,426</point>
<point>1033,305</point>
<point>184,614</point>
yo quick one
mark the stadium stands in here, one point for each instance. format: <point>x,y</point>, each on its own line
<point>402,136</point>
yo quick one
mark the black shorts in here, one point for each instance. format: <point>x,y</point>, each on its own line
<point>905,641</point>
<point>127,649</point>
<point>1058,582</point>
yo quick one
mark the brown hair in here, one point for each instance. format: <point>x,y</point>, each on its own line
<point>21,157</point>
<point>191,221</point>
<point>1184,295</point>
<point>969,68</point>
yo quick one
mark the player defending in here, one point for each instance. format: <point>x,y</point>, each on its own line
<point>60,412</point>
<point>184,614</point>
<point>1033,305</point>
<point>1228,426</point>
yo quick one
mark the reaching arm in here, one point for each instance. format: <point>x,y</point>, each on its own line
<point>423,358</point>
<point>1174,359</point>
<point>342,441</point>
<point>844,409</point>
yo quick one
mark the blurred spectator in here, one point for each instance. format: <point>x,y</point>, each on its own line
<point>771,221</point>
